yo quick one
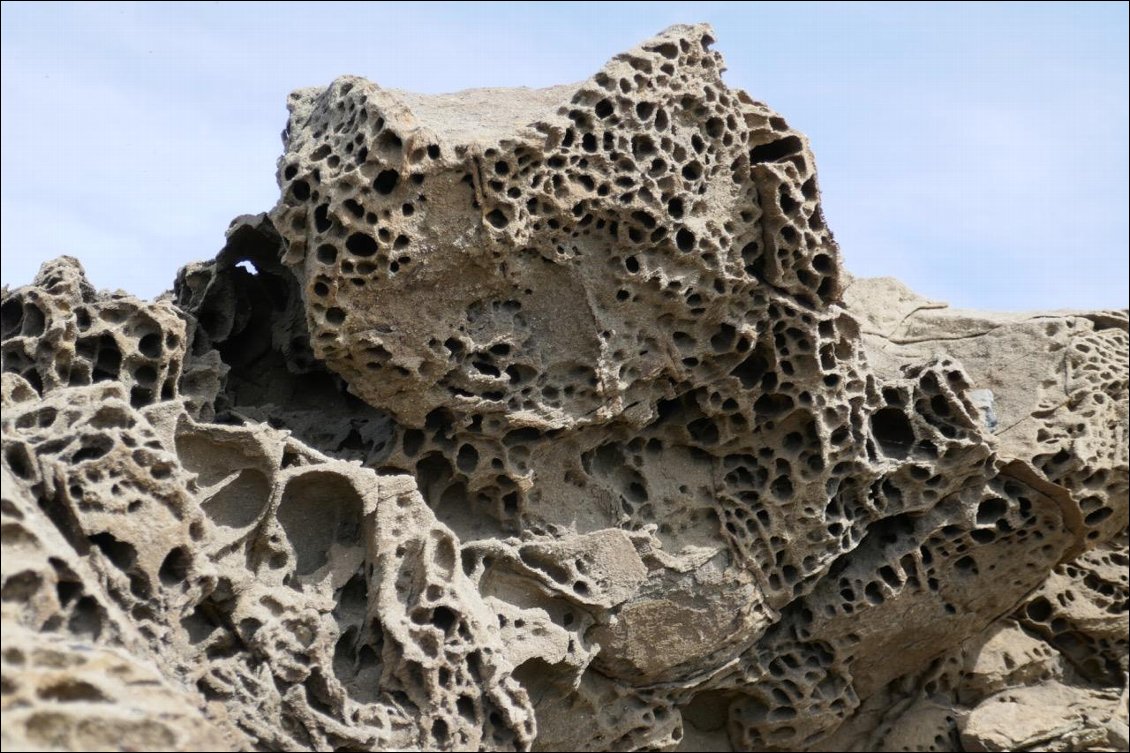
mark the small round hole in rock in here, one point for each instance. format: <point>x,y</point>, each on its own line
<point>386,181</point>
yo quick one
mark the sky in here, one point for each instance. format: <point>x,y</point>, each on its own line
<point>976,151</point>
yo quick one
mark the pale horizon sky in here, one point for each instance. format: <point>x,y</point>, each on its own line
<point>978,152</point>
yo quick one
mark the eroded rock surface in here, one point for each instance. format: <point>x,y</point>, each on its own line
<point>548,420</point>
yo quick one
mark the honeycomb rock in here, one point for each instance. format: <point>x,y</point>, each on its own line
<point>62,695</point>
<point>59,333</point>
<point>548,420</point>
<point>559,227</point>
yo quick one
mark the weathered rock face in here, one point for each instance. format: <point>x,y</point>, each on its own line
<point>547,419</point>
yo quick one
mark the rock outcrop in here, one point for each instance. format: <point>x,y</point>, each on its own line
<point>549,420</point>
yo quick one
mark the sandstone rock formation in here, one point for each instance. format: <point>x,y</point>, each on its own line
<point>549,420</point>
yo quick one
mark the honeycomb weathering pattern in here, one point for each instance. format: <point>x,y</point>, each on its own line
<point>548,420</point>
<point>529,253</point>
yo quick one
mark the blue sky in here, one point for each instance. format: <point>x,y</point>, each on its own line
<point>977,151</point>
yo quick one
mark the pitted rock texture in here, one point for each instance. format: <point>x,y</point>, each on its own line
<point>549,420</point>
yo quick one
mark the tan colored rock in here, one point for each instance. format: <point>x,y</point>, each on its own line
<point>1049,716</point>
<point>63,695</point>
<point>1006,656</point>
<point>1038,376</point>
<point>548,420</point>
